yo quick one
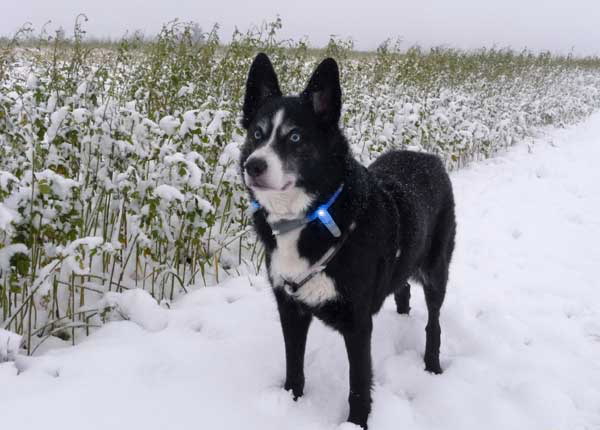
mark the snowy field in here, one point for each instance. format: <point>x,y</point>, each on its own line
<point>521,330</point>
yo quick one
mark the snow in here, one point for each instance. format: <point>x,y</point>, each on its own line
<point>230,154</point>
<point>217,122</point>
<point>9,345</point>
<point>61,186</point>
<point>32,82</point>
<point>9,251</point>
<point>7,216</point>
<point>137,306</point>
<point>520,346</point>
<point>189,121</point>
<point>194,174</point>
<point>56,120</point>
<point>92,242</point>
<point>81,115</point>
<point>168,193</point>
<point>186,90</point>
<point>169,124</point>
<point>82,89</point>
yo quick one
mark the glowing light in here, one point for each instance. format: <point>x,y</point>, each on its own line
<point>327,220</point>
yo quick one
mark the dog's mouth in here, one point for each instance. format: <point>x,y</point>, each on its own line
<point>258,185</point>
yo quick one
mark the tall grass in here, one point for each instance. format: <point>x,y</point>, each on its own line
<point>118,160</point>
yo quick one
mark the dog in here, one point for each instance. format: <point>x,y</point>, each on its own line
<point>340,237</point>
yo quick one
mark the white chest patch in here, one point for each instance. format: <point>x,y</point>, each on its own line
<point>287,263</point>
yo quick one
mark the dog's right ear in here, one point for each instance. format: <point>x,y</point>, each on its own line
<point>261,85</point>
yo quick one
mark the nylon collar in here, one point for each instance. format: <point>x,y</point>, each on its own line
<point>321,213</point>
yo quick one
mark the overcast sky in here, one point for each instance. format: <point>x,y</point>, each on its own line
<point>557,25</point>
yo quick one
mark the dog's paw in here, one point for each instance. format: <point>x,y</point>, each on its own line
<point>349,426</point>
<point>403,310</point>
<point>297,390</point>
<point>434,368</point>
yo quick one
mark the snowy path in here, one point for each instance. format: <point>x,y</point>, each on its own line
<point>521,331</point>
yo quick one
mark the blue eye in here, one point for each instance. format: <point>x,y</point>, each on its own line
<point>295,137</point>
<point>258,135</point>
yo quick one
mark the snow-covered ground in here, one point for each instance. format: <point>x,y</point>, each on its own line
<point>521,330</point>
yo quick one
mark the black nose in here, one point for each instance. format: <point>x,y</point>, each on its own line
<point>256,167</point>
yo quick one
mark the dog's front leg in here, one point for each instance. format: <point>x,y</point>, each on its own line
<point>294,323</point>
<point>358,347</point>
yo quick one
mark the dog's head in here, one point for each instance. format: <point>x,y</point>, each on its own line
<point>294,151</point>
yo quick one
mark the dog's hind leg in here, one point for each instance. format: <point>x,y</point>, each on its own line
<point>294,324</point>
<point>402,298</point>
<point>434,277</point>
<point>434,297</point>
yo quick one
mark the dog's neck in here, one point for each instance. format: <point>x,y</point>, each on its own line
<point>320,214</point>
<point>289,204</point>
<point>348,206</point>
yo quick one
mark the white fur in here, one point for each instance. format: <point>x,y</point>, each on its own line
<point>275,176</point>
<point>288,204</point>
<point>281,204</point>
<point>287,263</point>
<point>317,291</point>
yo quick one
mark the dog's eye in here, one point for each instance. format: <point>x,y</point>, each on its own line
<point>258,135</point>
<point>295,137</point>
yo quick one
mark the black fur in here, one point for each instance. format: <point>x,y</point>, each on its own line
<point>403,201</point>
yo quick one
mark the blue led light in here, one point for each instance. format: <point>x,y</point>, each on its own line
<point>327,221</point>
<point>254,206</point>
<point>323,215</point>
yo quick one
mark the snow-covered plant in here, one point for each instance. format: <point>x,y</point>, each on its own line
<point>118,163</point>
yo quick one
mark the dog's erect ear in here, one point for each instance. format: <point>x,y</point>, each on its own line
<point>323,92</point>
<point>261,85</point>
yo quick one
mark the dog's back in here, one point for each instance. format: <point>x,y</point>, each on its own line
<point>416,178</point>
<point>422,192</point>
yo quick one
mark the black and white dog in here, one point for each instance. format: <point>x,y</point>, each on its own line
<point>340,237</point>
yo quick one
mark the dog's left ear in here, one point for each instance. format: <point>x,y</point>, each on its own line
<point>324,94</point>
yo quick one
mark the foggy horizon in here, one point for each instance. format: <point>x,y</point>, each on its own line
<point>555,26</point>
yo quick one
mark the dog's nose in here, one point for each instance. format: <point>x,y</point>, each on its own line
<point>255,167</point>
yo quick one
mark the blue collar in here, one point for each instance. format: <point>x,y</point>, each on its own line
<point>321,213</point>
